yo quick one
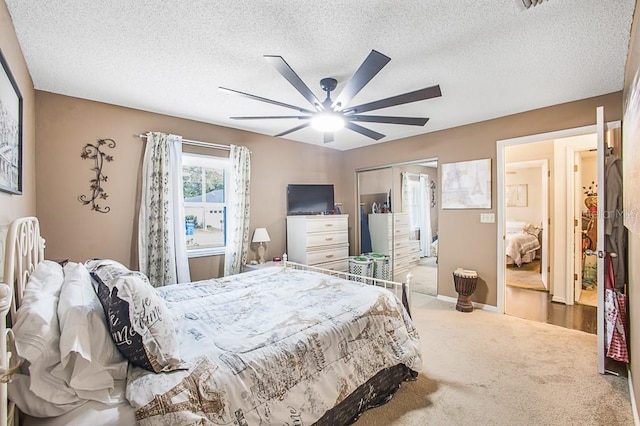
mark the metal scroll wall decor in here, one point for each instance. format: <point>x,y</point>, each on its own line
<point>95,152</point>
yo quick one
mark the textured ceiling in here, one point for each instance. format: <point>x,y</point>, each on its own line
<point>490,58</point>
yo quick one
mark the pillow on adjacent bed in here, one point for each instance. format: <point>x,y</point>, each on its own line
<point>90,363</point>
<point>140,323</point>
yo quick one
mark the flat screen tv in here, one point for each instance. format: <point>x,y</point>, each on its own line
<point>309,199</point>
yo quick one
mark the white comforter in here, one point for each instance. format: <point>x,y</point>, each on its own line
<point>275,346</point>
<point>518,244</point>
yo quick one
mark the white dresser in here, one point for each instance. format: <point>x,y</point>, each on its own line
<point>390,235</point>
<point>320,240</point>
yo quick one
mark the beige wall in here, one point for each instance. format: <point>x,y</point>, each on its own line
<point>463,241</point>
<point>65,124</point>
<point>14,206</point>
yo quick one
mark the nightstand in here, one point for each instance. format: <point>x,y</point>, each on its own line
<point>247,268</point>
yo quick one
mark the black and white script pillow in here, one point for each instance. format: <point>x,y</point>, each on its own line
<point>139,322</point>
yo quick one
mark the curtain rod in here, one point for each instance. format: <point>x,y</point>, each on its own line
<point>196,143</point>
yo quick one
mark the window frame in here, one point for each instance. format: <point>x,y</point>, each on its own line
<point>220,162</point>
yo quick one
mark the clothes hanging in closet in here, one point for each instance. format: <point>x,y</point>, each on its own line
<point>365,235</point>
<point>614,230</point>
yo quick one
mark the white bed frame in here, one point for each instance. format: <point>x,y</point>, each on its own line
<point>25,249</point>
<point>401,290</point>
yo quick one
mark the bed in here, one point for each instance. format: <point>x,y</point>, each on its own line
<point>281,345</point>
<point>521,242</point>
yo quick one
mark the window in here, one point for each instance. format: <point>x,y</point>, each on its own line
<point>205,203</point>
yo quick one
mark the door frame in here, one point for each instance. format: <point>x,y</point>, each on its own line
<point>543,165</point>
<point>500,228</point>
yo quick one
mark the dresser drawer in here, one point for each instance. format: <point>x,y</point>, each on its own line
<point>404,262</point>
<point>330,224</point>
<point>322,256</point>
<point>401,231</point>
<point>326,238</point>
<point>403,251</point>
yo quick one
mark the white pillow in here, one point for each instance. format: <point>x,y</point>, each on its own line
<point>139,321</point>
<point>515,227</point>
<point>37,339</point>
<point>89,363</point>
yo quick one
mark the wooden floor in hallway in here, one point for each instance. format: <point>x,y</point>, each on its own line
<point>537,306</point>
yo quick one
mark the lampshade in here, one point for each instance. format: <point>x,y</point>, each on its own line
<point>260,235</point>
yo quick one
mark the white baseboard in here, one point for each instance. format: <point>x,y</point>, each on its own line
<point>634,407</point>
<point>476,305</point>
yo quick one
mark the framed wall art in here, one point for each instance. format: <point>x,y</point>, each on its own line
<point>10,131</point>
<point>467,185</point>
<point>516,195</point>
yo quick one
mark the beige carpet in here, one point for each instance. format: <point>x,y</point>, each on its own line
<point>483,368</point>
<point>425,276</point>
<point>526,276</point>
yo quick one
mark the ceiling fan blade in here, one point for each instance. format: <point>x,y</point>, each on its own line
<point>411,121</point>
<point>405,98</point>
<point>287,72</point>
<point>328,137</point>
<point>295,129</point>
<point>264,117</point>
<point>363,131</point>
<point>363,75</point>
<point>269,101</point>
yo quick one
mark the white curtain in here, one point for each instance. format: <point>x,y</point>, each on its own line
<point>238,211</point>
<point>406,193</point>
<point>424,212</point>
<point>416,200</point>
<point>162,249</point>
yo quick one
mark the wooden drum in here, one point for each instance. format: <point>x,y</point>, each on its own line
<point>465,282</point>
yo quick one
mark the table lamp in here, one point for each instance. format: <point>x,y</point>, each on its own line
<point>260,235</point>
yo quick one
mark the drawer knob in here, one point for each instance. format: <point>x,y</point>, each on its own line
<point>328,239</point>
<point>328,224</point>
<point>329,256</point>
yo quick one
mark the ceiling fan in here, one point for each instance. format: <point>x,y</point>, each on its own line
<point>329,116</point>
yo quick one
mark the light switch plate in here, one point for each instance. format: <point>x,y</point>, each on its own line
<point>487,218</point>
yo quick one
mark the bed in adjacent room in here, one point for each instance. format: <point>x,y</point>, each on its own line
<point>522,240</point>
<point>280,345</point>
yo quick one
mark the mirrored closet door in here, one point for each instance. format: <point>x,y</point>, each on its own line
<point>399,218</point>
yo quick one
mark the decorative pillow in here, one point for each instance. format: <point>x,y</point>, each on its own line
<point>37,340</point>
<point>532,229</point>
<point>106,269</point>
<point>139,321</point>
<point>90,363</point>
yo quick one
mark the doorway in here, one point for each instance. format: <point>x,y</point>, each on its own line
<point>527,167</point>
<point>585,235</point>
<point>527,218</point>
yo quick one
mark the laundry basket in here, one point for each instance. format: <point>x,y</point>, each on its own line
<point>361,266</point>
<point>381,265</point>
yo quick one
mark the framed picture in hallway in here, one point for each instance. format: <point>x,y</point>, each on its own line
<point>516,195</point>
<point>467,185</point>
<point>10,131</point>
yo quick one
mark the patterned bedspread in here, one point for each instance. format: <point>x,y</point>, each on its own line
<point>274,346</point>
<point>518,244</point>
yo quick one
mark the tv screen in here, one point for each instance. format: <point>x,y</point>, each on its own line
<point>309,199</point>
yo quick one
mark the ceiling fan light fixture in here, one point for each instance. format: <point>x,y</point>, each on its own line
<point>327,121</point>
